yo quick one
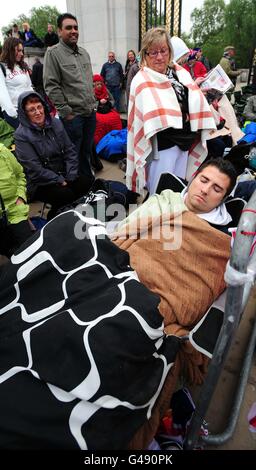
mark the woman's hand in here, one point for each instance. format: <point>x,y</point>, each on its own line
<point>103,101</point>
<point>199,80</point>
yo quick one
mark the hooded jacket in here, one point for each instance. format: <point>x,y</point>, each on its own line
<point>12,186</point>
<point>47,154</point>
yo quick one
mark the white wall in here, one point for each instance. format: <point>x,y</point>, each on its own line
<point>106,25</point>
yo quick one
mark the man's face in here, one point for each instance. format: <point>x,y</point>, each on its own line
<point>49,28</point>
<point>69,32</point>
<point>207,190</point>
<point>111,56</point>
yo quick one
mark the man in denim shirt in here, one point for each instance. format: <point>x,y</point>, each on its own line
<point>113,75</point>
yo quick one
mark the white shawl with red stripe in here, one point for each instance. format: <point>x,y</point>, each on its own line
<point>153,106</point>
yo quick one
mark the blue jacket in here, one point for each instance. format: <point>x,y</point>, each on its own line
<point>47,154</point>
<point>113,143</point>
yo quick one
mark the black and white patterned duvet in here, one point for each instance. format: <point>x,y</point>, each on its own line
<point>83,356</point>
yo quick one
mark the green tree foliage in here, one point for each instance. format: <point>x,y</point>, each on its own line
<point>41,16</point>
<point>213,47</point>
<point>217,25</point>
<point>240,29</point>
<point>186,37</point>
<point>208,21</point>
<point>38,19</point>
<point>155,14</point>
<point>207,30</point>
<point>19,20</point>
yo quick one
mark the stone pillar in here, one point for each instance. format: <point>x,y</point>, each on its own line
<point>106,25</point>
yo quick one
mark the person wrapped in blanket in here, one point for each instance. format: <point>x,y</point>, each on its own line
<point>57,349</point>
<point>169,118</point>
<point>177,246</point>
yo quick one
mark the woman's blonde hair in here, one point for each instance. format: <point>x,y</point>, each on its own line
<point>152,36</point>
<point>25,24</point>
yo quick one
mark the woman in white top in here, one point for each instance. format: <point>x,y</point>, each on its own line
<point>14,79</point>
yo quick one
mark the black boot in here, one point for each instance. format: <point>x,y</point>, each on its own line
<point>96,163</point>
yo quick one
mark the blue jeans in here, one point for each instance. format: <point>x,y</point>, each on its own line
<point>14,122</point>
<point>80,130</point>
<point>116,92</point>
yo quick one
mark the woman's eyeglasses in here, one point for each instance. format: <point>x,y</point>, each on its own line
<point>154,54</point>
<point>34,110</point>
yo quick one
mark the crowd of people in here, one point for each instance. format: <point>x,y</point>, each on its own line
<point>29,37</point>
<point>59,113</point>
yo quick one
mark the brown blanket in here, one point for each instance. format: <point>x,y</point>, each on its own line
<point>187,279</point>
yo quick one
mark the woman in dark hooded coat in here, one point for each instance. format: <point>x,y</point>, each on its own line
<point>47,155</point>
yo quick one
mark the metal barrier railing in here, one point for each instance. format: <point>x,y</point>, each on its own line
<point>242,262</point>
<point>165,13</point>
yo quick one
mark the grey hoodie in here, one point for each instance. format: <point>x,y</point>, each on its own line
<point>46,154</point>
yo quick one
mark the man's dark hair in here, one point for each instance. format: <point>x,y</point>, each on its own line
<point>224,166</point>
<point>15,25</point>
<point>63,17</point>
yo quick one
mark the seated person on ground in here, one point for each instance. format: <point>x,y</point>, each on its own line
<point>107,118</point>
<point>6,134</point>
<point>51,37</point>
<point>47,155</point>
<point>13,193</point>
<point>29,37</point>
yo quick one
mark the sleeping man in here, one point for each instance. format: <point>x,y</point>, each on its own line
<point>204,196</point>
<point>90,349</point>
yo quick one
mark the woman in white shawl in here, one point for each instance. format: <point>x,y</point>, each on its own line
<point>169,118</point>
